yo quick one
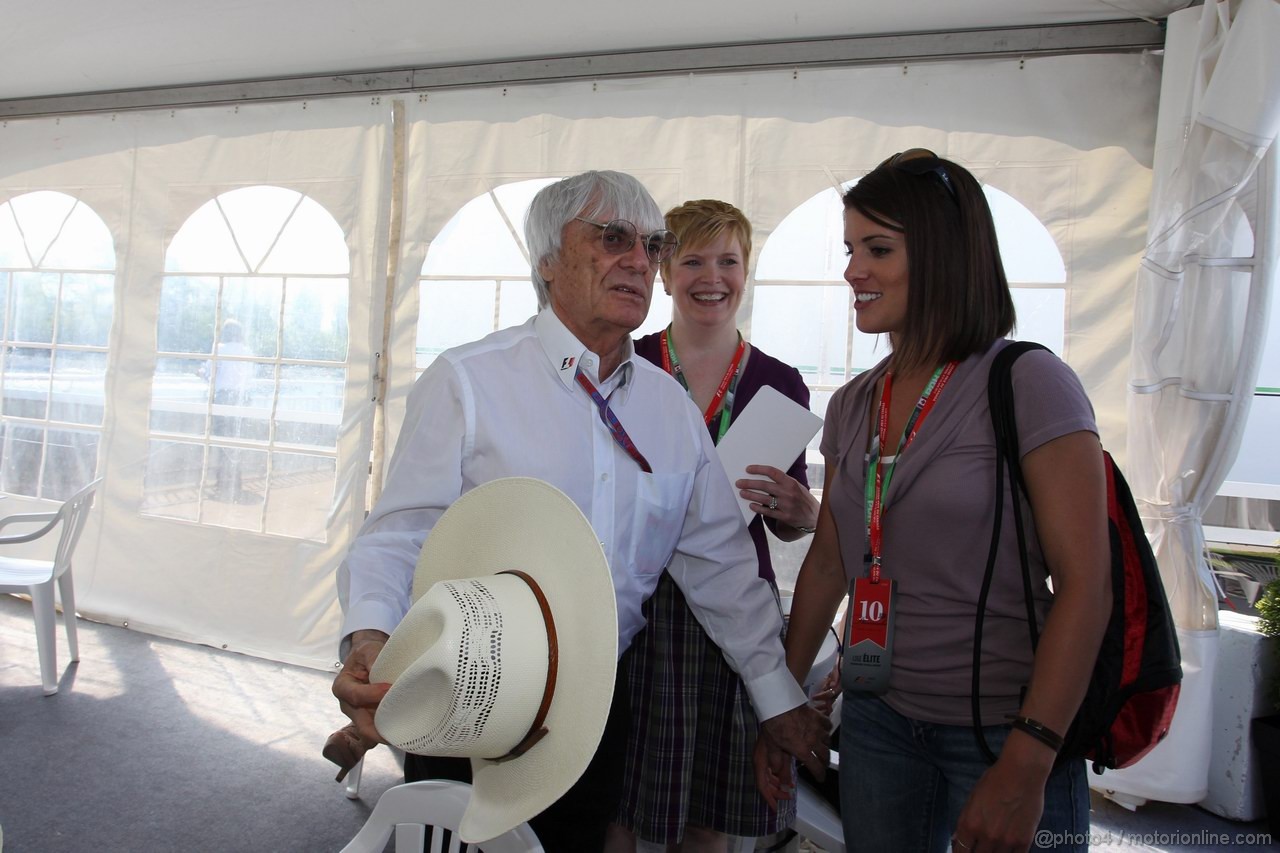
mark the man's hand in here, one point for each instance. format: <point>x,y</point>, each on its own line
<point>356,696</point>
<point>801,732</point>
<point>774,772</point>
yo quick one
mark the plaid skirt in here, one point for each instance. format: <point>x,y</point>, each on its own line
<point>693,731</point>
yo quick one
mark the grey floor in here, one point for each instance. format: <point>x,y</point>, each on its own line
<point>156,745</point>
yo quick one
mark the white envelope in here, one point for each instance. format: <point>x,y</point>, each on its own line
<point>772,430</point>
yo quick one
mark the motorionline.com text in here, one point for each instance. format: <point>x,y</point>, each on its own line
<point>1100,838</point>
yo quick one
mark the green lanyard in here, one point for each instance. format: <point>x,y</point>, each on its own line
<point>878,475</point>
<point>722,402</point>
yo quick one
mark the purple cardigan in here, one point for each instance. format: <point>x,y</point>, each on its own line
<point>761,370</point>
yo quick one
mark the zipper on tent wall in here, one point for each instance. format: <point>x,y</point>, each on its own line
<point>382,363</point>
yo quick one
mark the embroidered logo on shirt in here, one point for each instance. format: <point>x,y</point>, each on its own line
<point>567,363</point>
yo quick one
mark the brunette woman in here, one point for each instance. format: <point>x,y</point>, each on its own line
<point>906,525</point>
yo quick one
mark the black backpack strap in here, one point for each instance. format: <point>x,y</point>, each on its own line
<point>1004,424</point>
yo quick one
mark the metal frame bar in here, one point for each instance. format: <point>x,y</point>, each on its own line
<point>1052,40</point>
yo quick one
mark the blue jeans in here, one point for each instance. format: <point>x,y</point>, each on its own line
<point>903,782</point>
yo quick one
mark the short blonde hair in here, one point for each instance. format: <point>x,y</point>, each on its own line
<point>699,222</point>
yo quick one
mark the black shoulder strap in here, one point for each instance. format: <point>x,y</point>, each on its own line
<point>1005,425</point>
<point>1004,422</point>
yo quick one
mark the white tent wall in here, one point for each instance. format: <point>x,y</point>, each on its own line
<point>145,174</point>
<point>1203,288</point>
<point>770,140</point>
<point>766,140</point>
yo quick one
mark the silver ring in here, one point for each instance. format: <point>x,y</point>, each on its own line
<point>773,502</point>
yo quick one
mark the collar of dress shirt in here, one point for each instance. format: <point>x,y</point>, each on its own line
<point>565,353</point>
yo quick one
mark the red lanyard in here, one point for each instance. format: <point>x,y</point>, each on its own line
<point>611,421</point>
<point>722,402</point>
<point>878,477</point>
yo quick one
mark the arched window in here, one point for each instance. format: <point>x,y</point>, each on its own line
<point>246,400</point>
<point>801,311</point>
<point>57,297</point>
<point>475,278</point>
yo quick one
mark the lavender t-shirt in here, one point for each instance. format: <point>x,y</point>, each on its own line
<point>937,531</point>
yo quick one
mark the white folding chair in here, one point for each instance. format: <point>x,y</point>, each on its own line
<point>408,809</point>
<point>37,577</point>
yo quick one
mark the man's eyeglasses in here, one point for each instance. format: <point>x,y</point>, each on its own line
<point>618,236</point>
<point>922,161</point>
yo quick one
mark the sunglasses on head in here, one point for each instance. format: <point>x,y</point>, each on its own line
<point>922,161</point>
<point>618,236</point>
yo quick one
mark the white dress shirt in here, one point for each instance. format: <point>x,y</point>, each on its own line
<point>508,406</point>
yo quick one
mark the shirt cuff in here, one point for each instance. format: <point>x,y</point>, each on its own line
<point>368,614</point>
<point>775,693</point>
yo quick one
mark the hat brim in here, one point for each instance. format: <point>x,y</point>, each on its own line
<point>528,524</point>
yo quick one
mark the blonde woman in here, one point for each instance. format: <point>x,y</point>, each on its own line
<point>689,783</point>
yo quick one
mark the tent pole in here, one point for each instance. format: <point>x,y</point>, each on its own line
<point>1131,36</point>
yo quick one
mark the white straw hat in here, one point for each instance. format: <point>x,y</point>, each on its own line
<point>475,662</point>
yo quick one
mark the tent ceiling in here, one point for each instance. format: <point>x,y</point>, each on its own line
<point>89,46</point>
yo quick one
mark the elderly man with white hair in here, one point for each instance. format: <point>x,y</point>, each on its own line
<point>563,398</point>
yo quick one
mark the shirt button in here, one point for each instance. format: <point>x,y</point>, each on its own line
<point>604,477</point>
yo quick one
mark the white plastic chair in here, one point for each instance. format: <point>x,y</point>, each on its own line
<point>37,577</point>
<point>410,808</point>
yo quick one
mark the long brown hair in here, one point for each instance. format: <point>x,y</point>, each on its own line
<point>958,299</point>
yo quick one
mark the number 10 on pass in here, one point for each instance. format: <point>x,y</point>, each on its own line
<point>869,644</point>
